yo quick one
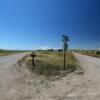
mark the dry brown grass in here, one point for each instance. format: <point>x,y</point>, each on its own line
<point>94,53</point>
<point>5,53</point>
<point>51,64</point>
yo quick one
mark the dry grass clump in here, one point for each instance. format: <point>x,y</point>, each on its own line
<point>51,64</point>
<point>8,52</point>
<point>94,53</point>
<point>5,53</point>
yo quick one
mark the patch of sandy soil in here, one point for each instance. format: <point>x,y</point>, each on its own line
<point>19,83</point>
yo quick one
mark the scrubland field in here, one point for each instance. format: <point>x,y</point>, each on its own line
<point>50,63</point>
<point>8,52</point>
<point>94,53</point>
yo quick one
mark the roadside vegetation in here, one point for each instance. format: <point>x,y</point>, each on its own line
<point>50,63</point>
<point>94,53</point>
<point>8,52</point>
<point>53,62</point>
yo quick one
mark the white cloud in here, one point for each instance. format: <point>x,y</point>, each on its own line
<point>45,47</point>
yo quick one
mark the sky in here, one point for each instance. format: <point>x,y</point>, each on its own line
<point>40,24</point>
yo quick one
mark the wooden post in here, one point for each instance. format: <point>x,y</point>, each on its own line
<point>65,40</point>
<point>60,52</point>
<point>33,55</point>
<point>65,49</point>
<point>64,55</point>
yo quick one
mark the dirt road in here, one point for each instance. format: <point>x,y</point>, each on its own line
<point>7,74</point>
<point>19,84</point>
<point>6,61</point>
<point>91,67</point>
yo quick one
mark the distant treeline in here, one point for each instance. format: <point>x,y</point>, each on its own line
<point>86,50</point>
<point>51,50</point>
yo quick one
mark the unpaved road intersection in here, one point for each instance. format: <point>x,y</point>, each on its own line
<point>17,85</point>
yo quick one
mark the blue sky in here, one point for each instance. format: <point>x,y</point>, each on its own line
<point>39,24</point>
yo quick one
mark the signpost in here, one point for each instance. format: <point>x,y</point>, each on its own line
<point>65,40</point>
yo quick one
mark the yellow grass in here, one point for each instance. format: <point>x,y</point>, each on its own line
<point>94,53</point>
<point>50,63</point>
